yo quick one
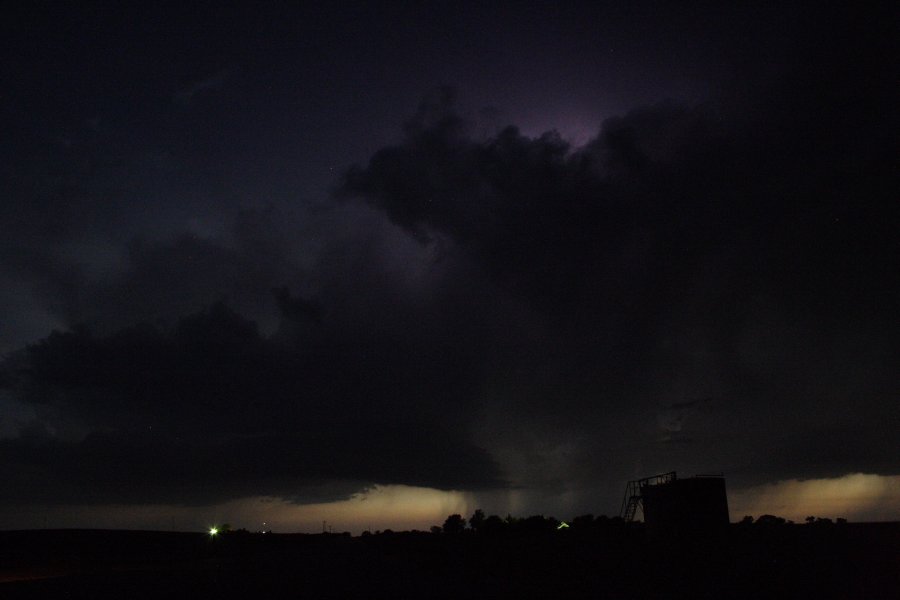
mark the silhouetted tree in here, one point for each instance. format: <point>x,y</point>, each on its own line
<point>477,520</point>
<point>582,521</point>
<point>454,524</point>
<point>769,521</point>
<point>538,523</point>
<point>492,525</point>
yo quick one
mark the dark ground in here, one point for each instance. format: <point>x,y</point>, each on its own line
<point>780,561</point>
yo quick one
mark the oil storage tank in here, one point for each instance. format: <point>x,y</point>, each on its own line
<point>686,506</point>
<point>670,505</point>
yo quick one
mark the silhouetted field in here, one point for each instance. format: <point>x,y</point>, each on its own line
<point>777,561</point>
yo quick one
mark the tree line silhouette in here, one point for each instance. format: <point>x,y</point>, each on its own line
<point>480,523</point>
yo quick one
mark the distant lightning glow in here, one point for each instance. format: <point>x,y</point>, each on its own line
<point>855,496</point>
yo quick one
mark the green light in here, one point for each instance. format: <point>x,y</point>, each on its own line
<point>562,525</point>
<point>213,531</point>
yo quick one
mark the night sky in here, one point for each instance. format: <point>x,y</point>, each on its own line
<point>373,265</point>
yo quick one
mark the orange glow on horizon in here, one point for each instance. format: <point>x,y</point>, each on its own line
<point>855,496</point>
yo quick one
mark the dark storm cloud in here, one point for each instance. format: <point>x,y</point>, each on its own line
<point>164,280</point>
<point>297,308</point>
<point>364,375</point>
<point>549,221</point>
<point>213,410</point>
<point>480,307</point>
<point>745,248</point>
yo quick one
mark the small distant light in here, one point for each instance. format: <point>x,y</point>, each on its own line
<point>213,531</point>
<point>563,525</point>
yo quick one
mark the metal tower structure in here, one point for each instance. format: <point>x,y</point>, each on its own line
<point>634,490</point>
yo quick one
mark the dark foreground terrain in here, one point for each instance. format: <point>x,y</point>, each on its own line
<point>786,561</point>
